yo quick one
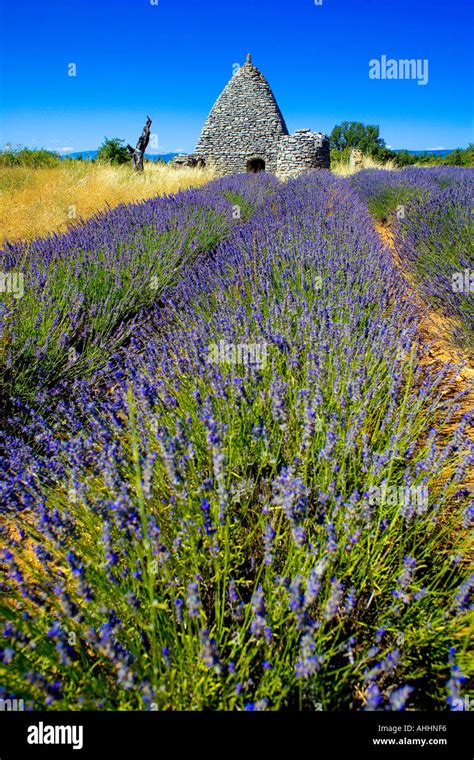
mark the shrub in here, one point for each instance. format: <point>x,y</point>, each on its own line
<point>113,151</point>
<point>21,156</point>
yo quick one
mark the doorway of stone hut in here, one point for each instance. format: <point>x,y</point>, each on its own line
<point>255,165</point>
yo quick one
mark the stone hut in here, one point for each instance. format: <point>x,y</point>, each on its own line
<point>245,131</point>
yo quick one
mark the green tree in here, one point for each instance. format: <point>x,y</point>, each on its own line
<point>354,134</point>
<point>113,151</point>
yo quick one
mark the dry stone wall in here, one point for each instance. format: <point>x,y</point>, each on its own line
<point>302,151</point>
<point>356,158</point>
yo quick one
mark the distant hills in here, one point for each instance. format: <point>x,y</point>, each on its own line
<point>89,155</point>
<point>443,152</point>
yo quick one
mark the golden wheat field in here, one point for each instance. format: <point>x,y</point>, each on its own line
<point>37,201</point>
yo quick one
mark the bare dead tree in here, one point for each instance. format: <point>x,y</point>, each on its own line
<point>138,153</point>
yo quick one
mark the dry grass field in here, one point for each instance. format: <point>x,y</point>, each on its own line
<point>37,201</point>
<point>344,169</point>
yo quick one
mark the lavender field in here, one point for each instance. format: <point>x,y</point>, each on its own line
<point>230,479</point>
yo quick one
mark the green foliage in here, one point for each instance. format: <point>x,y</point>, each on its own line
<point>461,157</point>
<point>354,134</point>
<point>340,156</point>
<point>458,157</point>
<point>365,137</point>
<point>34,157</point>
<point>113,151</point>
<point>404,158</point>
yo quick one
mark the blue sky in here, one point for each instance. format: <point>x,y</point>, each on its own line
<point>171,59</point>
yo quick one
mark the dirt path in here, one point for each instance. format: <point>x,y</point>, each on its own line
<point>435,334</point>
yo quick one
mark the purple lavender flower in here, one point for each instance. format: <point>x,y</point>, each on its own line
<point>297,601</point>
<point>258,625</point>
<point>373,698</point>
<point>455,682</point>
<point>193,601</point>
<point>268,540</point>
<point>178,608</point>
<point>206,513</point>
<point>462,600</point>
<point>235,603</point>
<point>309,661</point>
<point>291,494</point>
<point>334,602</point>
<point>398,697</point>
<point>208,650</point>
<point>405,580</point>
<point>313,585</point>
<point>350,602</point>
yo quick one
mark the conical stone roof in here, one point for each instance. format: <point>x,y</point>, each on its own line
<point>244,125</point>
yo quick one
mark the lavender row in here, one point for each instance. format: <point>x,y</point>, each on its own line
<point>430,212</point>
<point>68,301</point>
<point>434,238</point>
<point>387,192</point>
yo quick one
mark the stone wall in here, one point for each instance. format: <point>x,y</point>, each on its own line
<point>302,151</point>
<point>187,160</point>
<point>356,158</point>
